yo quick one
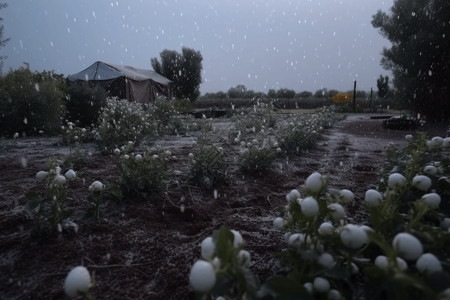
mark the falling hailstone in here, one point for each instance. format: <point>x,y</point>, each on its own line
<point>25,121</point>
<point>215,194</point>
<point>23,162</point>
<point>182,207</point>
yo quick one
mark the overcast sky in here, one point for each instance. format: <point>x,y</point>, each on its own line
<point>266,44</point>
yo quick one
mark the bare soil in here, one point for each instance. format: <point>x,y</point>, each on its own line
<point>144,250</point>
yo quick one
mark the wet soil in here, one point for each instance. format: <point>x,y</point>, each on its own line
<point>144,249</point>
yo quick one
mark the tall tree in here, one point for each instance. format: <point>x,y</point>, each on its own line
<point>419,57</point>
<point>383,86</point>
<point>184,69</point>
<point>2,41</point>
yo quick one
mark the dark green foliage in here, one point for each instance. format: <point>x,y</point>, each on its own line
<point>183,69</point>
<point>31,102</point>
<point>383,86</point>
<point>420,54</point>
<point>84,103</point>
<point>209,165</point>
<point>145,175</point>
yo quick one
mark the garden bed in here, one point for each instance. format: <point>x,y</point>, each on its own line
<point>144,250</point>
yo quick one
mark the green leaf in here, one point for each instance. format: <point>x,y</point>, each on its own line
<point>287,288</point>
<point>224,243</point>
<point>32,195</point>
<point>444,184</point>
<point>438,281</point>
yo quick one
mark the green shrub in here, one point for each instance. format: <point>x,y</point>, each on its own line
<point>257,156</point>
<point>166,117</point>
<point>84,103</point>
<point>31,103</point>
<point>209,166</point>
<point>142,173</point>
<point>121,122</point>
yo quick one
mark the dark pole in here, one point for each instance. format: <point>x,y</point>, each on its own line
<point>354,96</point>
<point>371,92</point>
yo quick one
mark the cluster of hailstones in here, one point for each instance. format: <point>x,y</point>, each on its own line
<point>203,273</point>
<point>353,236</point>
<point>61,180</point>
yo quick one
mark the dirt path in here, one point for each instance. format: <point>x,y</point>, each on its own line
<point>145,250</point>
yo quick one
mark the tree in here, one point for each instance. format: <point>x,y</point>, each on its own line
<point>2,41</point>
<point>184,69</point>
<point>383,86</point>
<point>237,92</point>
<point>420,54</point>
<point>285,93</point>
<point>305,94</point>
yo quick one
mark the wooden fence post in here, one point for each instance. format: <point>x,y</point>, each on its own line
<point>354,96</point>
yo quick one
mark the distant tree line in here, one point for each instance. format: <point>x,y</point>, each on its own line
<point>241,92</point>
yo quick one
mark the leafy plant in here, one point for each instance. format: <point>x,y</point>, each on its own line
<point>257,156</point>
<point>47,209</point>
<point>122,121</point>
<point>209,165</point>
<point>142,173</point>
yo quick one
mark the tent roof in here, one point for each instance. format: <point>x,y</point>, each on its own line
<point>104,71</point>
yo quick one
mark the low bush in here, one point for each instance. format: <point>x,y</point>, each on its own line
<point>122,121</point>
<point>209,165</point>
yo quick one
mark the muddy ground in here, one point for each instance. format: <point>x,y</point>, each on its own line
<point>144,250</point>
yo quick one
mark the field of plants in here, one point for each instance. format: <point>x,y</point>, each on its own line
<point>151,204</point>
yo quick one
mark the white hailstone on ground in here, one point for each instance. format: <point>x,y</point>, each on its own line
<point>421,182</point>
<point>373,198</point>
<point>238,240</point>
<point>446,143</point>
<point>336,211</point>
<point>117,151</point>
<point>126,156</point>
<point>436,142</point>
<point>428,263</point>
<point>296,240</point>
<point>41,175</point>
<point>325,229</point>
<point>275,145</point>
<point>430,170</point>
<point>138,157</point>
<point>244,257</point>
<point>279,223</point>
<point>292,195</point>
<point>314,182</point>
<point>207,248</point>
<point>333,294</point>
<point>321,285</point>
<point>70,174</point>
<point>167,152</point>
<point>396,180</point>
<point>445,295</point>
<point>242,144</point>
<point>326,260</point>
<point>382,262</point>
<point>407,246</point>
<point>353,236</point>
<point>445,223</point>
<point>408,137</point>
<point>309,207</point>
<point>432,199</point>
<point>77,281</point>
<point>59,180</point>
<point>346,196</point>
<point>96,186</point>
<point>202,276</point>
<point>155,156</point>
<point>309,287</point>
<point>191,155</point>
<point>255,142</point>
<point>278,150</point>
